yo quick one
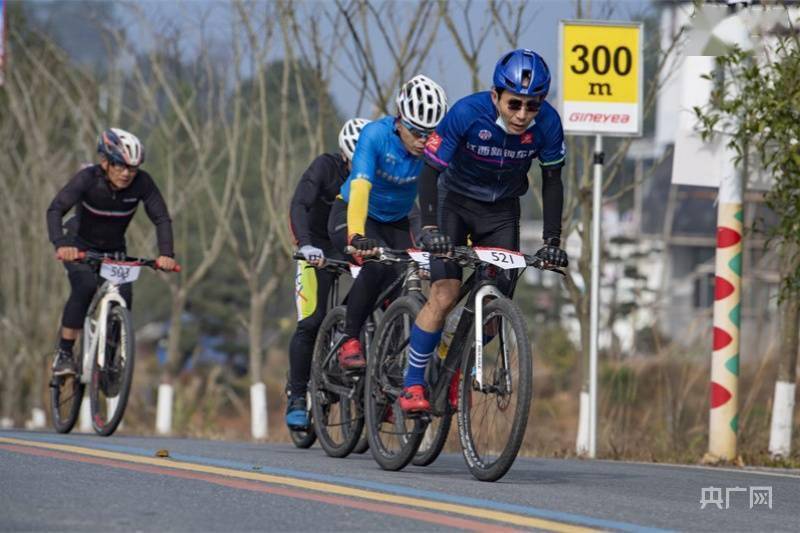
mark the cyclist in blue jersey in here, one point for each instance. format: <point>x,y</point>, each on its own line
<point>479,156</point>
<point>375,201</point>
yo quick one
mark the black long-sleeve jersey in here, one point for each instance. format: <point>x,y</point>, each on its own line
<point>313,198</point>
<point>103,213</point>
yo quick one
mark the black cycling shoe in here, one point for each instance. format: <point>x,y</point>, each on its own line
<point>64,364</point>
<point>297,414</point>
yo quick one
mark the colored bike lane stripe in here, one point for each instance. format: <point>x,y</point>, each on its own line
<point>474,508</point>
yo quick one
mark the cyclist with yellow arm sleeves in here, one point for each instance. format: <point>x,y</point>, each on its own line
<point>309,212</point>
<point>373,208</point>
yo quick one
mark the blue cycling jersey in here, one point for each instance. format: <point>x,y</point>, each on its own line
<point>382,159</point>
<point>478,159</point>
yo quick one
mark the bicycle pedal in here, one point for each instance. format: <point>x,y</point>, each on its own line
<point>422,416</point>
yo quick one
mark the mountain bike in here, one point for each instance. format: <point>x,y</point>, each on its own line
<point>107,353</point>
<point>337,394</point>
<point>489,358</point>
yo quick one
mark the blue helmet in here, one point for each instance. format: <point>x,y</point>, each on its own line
<point>517,65</point>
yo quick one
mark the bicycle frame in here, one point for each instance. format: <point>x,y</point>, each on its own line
<point>482,293</point>
<point>475,291</point>
<point>94,330</point>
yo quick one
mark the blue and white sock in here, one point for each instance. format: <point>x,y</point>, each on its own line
<point>420,348</point>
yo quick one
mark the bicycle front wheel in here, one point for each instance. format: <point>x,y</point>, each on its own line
<point>492,418</point>
<point>66,394</point>
<point>338,420</point>
<point>305,438</point>
<point>393,437</point>
<point>110,385</point>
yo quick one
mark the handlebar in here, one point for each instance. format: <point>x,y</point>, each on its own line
<point>466,256</point>
<point>90,257</point>
<point>385,255</point>
<point>331,265</point>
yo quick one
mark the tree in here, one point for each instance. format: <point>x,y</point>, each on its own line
<point>756,107</point>
<point>53,101</point>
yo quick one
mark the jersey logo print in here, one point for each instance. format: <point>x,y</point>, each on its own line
<point>103,213</point>
<point>433,143</point>
<point>485,135</point>
<point>527,138</point>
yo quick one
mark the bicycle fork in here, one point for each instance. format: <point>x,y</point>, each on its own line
<point>94,331</point>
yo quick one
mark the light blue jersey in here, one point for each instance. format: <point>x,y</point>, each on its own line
<point>382,159</point>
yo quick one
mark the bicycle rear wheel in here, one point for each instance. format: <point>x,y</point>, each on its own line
<point>436,433</point>
<point>338,420</point>
<point>393,438</point>
<point>363,443</point>
<point>66,394</point>
<point>492,420</point>
<point>110,385</point>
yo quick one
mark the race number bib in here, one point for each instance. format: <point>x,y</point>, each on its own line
<point>119,273</point>
<point>422,258</point>
<point>505,259</point>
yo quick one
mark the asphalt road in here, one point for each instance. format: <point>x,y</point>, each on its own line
<point>84,482</point>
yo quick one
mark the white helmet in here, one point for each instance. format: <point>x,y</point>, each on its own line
<point>348,136</point>
<point>422,103</point>
<point>121,147</point>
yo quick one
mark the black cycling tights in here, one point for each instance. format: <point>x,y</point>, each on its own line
<point>371,281</point>
<point>301,347</point>
<point>374,277</point>
<point>84,282</point>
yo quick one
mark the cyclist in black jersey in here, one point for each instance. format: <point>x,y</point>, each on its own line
<point>105,197</point>
<point>309,211</point>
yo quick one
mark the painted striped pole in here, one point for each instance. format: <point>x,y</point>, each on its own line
<point>724,421</point>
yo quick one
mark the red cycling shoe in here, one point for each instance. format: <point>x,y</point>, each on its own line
<point>351,356</point>
<point>413,400</point>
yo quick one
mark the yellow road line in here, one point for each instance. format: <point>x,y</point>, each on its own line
<point>341,490</point>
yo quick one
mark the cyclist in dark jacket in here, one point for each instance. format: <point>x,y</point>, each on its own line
<point>309,211</point>
<point>105,197</point>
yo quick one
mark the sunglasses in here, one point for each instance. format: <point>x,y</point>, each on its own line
<point>416,132</point>
<point>130,168</point>
<point>531,106</point>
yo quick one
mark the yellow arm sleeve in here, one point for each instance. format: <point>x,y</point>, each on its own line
<point>358,206</point>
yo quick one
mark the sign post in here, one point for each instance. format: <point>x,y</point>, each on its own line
<point>600,91</point>
<point>2,40</point>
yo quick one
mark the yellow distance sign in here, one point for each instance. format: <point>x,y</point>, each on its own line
<point>601,76</point>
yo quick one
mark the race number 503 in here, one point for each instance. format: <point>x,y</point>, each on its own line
<point>119,273</point>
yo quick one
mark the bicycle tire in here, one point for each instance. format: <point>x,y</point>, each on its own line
<point>107,424</point>
<point>363,444</point>
<point>479,467</point>
<point>436,434</point>
<point>304,439</point>
<point>324,401</point>
<point>64,412</point>
<point>383,416</point>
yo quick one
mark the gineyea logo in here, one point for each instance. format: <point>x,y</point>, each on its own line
<point>527,138</point>
<point>485,135</point>
<point>434,142</point>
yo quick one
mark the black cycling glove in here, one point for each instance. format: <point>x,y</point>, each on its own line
<point>435,242</point>
<point>552,254</point>
<point>363,244</point>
